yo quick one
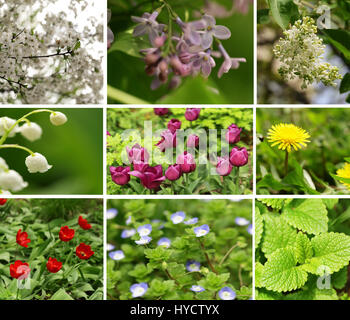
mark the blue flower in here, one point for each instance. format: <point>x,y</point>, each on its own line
<point>226,293</point>
<point>193,265</point>
<point>178,217</point>
<point>202,230</point>
<point>111,213</point>
<point>191,221</point>
<point>144,240</point>
<point>195,288</point>
<point>128,233</point>
<point>117,255</point>
<point>128,220</point>
<point>250,229</point>
<point>109,247</point>
<point>241,221</point>
<point>164,242</point>
<point>144,230</point>
<point>138,289</point>
<point>160,222</point>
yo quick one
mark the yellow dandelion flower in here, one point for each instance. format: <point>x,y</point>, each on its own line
<point>344,173</point>
<point>288,135</point>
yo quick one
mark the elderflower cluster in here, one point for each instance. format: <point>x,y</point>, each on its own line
<point>301,51</point>
<point>46,56</point>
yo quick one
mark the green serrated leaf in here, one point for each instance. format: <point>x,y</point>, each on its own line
<point>259,226</point>
<point>258,274</point>
<point>273,203</point>
<point>303,248</point>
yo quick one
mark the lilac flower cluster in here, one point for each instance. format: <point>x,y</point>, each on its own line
<point>187,51</point>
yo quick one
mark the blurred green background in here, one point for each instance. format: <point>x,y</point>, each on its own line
<point>126,72</point>
<point>74,150</point>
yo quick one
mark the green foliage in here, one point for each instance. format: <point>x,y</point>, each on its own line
<point>284,12</point>
<point>298,253</point>
<point>225,253</point>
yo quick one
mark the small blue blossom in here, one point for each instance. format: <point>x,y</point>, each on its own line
<point>117,255</point>
<point>178,217</point>
<point>109,247</point>
<point>144,240</point>
<point>128,220</point>
<point>226,293</point>
<point>195,288</point>
<point>111,213</point>
<point>164,242</point>
<point>241,221</point>
<point>138,289</point>
<point>128,233</point>
<point>191,221</point>
<point>160,222</point>
<point>250,229</point>
<point>193,265</point>
<point>202,230</point>
<point>144,230</point>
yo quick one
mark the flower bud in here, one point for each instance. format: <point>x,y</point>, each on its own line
<point>174,124</point>
<point>223,167</point>
<point>137,154</point>
<point>161,111</point>
<point>239,156</point>
<point>31,131</point>
<point>173,172</point>
<point>58,118</point>
<point>233,134</point>
<point>12,180</point>
<point>120,175</point>
<point>192,114</point>
<point>192,141</point>
<point>186,162</point>
<point>3,165</point>
<point>37,163</point>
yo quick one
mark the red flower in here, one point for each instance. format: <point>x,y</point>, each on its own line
<point>84,251</point>
<point>22,238</point>
<point>2,202</point>
<point>83,223</point>
<point>19,270</point>
<point>53,265</point>
<point>66,234</point>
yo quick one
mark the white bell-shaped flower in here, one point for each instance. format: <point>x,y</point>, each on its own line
<point>5,124</point>
<point>3,165</point>
<point>37,163</point>
<point>58,118</point>
<point>31,131</point>
<point>12,180</point>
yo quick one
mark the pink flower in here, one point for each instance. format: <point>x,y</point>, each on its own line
<point>174,124</point>
<point>173,172</point>
<point>151,177</point>
<point>204,63</point>
<point>137,154</point>
<point>192,141</point>
<point>147,24</point>
<point>229,63</point>
<point>223,167</point>
<point>212,30</point>
<point>168,140</point>
<point>192,114</point>
<point>161,111</point>
<point>186,162</point>
<point>120,175</point>
<point>233,134</point>
<point>239,156</point>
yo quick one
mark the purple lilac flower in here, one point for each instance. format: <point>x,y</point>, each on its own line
<point>128,233</point>
<point>111,213</point>
<point>191,221</point>
<point>240,221</point>
<point>117,255</point>
<point>202,230</point>
<point>109,247</point>
<point>164,242</point>
<point>192,265</point>
<point>144,230</point>
<point>203,63</point>
<point>250,229</point>
<point>178,217</point>
<point>226,293</point>
<point>212,30</point>
<point>229,63</point>
<point>196,288</point>
<point>147,24</point>
<point>143,240</point>
<point>138,289</point>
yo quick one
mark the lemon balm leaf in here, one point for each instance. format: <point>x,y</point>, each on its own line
<point>259,226</point>
<point>303,248</point>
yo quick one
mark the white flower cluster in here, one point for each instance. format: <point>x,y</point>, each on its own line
<point>45,57</point>
<point>301,51</point>
<point>10,180</point>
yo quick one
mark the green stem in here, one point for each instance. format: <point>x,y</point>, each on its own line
<point>123,97</point>
<point>237,181</point>
<point>286,164</point>
<point>227,254</point>
<point>82,274</point>
<point>207,257</point>
<point>16,146</point>
<point>17,292</point>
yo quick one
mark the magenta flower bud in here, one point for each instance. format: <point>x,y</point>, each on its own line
<point>161,111</point>
<point>233,134</point>
<point>151,177</point>
<point>120,175</point>
<point>174,124</point>
<point>178,67</point>
<point>192,114</point>
<point>167,141</point>
<point>223,167</point>
<point>137,154</point>
<point>239,156</point>
<point>173,172</point>
<point>159,41</point>
<point>108,134</point>
<point>186,162</point>
<point>192,141</point>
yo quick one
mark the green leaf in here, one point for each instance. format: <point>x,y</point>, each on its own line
<point>125,42</point>
<point>214,281</point>
<point>273,203</point>
<point>308,215</point>
<point>303,249</point>
<point>259,268</point>
<point>331,250</point>
<point>61,294</point>
<point>284,12</point>
<point>340,278</point>
<point>345,84</point>
<point>259,226</point>
<point>263,16</point>
<point>270,182</point>
<point>340,39</point>
<point>278,234</point>
<point>281,272</point>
